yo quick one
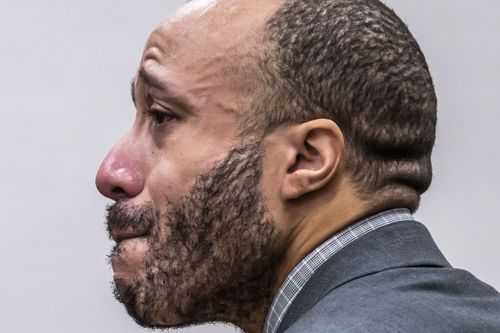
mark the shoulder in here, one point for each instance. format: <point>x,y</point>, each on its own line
<point>409,299</point>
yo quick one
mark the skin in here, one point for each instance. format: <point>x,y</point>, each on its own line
<point>196,71</point>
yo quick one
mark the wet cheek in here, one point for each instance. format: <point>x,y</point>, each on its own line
<point>169,182</point>
<point>179,164</point>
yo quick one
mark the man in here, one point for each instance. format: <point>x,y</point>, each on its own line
<point>278,151</point>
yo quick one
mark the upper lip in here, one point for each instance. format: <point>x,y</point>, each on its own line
<point>119,235</point>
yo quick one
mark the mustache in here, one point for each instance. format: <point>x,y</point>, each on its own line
<point>122,216</point>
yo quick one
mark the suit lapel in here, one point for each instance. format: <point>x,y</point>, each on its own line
<point>401,244</point>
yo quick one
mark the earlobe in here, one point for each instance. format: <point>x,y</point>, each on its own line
<point>315,150</point>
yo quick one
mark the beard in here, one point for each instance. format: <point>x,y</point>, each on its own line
<point>212,257</point>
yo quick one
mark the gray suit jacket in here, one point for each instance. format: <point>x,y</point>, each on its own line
<point>393,279</point>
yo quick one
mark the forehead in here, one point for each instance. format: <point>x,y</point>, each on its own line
<point>193,7</point>
<point>208,48</point>
<point>204,29</point>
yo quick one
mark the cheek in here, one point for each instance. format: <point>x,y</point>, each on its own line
<point>180,161</point>
<point>170,181</point>
<point>175,173</point>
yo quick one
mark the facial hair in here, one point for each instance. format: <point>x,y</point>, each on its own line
<point>212,257</point>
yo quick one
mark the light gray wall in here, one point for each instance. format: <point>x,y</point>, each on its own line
<point>65,70</point>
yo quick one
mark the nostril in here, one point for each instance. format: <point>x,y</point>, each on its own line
<point>118,191</point>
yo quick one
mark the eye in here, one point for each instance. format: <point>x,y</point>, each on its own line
<point>159,117</point>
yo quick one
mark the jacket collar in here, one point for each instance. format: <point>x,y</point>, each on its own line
<point>401,244</point>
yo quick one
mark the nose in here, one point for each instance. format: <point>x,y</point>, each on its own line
<point>120,176</point>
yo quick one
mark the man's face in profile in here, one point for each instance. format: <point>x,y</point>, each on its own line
<point>184,261</point>
<point>194,236</point>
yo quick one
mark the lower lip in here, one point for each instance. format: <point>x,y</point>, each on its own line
<point>132,241</point>
<point>129,257</point>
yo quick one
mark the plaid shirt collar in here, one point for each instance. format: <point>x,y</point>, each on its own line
<point>299,276</point>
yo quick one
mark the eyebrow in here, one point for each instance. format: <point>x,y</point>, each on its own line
<point>148,79</point>
<point>153,81</point>
<point>132,91</point>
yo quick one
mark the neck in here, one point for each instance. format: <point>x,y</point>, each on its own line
<point>322,217</point>
<point>310,222</point>
<point>251,318</point>
<point>256,321</point>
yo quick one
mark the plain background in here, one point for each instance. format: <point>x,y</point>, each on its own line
<point>65,71</point>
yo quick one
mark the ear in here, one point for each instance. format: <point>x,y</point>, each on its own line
<point>313,156</point>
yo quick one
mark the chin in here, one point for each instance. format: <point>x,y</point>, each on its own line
<point>141,306</point>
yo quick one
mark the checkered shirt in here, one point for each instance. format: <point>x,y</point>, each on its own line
<point>306,268</point>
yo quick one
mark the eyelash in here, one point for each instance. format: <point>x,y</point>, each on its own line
<point>159,117</point>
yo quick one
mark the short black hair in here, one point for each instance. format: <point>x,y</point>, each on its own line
<point>355,62</point>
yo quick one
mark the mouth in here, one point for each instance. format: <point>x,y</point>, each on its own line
<point>120,235</point>
<point>129,254</point>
